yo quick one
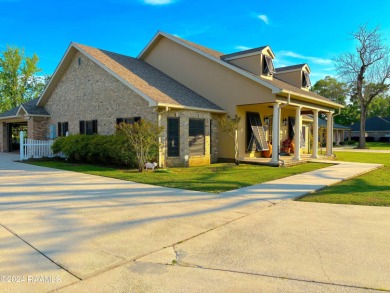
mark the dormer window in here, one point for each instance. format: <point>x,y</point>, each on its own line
<point>268,66</point>
<point>306,80</point>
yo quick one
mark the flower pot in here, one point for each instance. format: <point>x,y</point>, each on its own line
<point>287,151</point>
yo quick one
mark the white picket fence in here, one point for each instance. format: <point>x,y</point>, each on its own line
<point>33,148</point>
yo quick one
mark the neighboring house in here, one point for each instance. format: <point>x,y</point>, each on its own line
<point>183,87</point>
<point>340,132</point>
<point>377,129</point>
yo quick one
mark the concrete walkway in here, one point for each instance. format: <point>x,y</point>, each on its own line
<point>86,233</point>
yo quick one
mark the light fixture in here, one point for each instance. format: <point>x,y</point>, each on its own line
<point>285,121</point>
<point>266,120</point>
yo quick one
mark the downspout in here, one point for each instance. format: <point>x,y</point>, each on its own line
<point>280,118</point>
<point>160,139</point>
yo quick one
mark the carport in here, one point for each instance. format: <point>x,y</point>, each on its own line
<point>26,117</point>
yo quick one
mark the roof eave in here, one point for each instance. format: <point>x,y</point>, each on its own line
<point>9,117</point>
<point>329,102</point>
<point>176,106</point>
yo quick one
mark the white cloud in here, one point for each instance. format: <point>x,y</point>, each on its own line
<point>242,48</point>
<point>158,2</point>
<point>264,18</point>
<point>316,60</point>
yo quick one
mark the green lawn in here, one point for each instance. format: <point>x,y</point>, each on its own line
<point>378,145</point>
<point>214,178</point>
<point>370,189</point>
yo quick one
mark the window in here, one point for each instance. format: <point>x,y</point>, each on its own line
<point>196,139</point>
<point>268,66</point>
<point>62,129</point>
<point>306,80</point>
<point>173,136</point>
<point>88,127</point>
<point>129,120</point>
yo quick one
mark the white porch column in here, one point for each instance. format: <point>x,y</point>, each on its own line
<point>297,134</point>
<point>315,135</point>
<point>275,135</point>
<point>329,134</point>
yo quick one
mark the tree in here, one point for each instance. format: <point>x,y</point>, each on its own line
<point>380,107</point>
<point>18,80</point>
<point>338,92</point>
<point>230,126</point>
<point>367,70</point>
<point>349,115</point>
<point>332,89</point>
<point>142,136</point>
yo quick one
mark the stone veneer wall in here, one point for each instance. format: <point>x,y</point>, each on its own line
<point>3,137</point>
<point>184,116</point>
<point>88,92</point>
<point>214,137</point>
<point>38,128</point>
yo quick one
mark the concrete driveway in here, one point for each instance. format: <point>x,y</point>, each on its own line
<point>72,232</point>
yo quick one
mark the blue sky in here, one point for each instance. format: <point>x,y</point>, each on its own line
<point>312,32</point>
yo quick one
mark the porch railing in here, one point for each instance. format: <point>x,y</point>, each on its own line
<point>33,148</point>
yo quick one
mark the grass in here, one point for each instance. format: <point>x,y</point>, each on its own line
<point>378,145</point>
<point>369,189</point>
<point>214,178</point>
<point>370,145</point>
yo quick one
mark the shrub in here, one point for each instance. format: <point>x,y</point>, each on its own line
<point>101,149</point>
<point>384,139</point>
<point>142,136</point>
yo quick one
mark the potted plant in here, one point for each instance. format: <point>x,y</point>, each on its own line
<point>286,146</point>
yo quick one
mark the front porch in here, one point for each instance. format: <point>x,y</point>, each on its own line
<point>280,121</point>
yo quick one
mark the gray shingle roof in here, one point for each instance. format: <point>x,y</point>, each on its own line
<point>292,67</point>
<point>149,80</point>
<point>258,49</point>
<point>373,124</point>
<point>322,122</point>
<point>31,108</point>
<point>10,113</point>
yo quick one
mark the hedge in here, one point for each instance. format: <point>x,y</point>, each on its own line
<point>101,149</point>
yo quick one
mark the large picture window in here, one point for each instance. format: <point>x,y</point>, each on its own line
<point>173,137</point>
<point>196,137</point>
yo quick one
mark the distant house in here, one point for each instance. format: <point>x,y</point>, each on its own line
<point>340,132</point>
<point>377,129</point>
<point>183,87</point>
